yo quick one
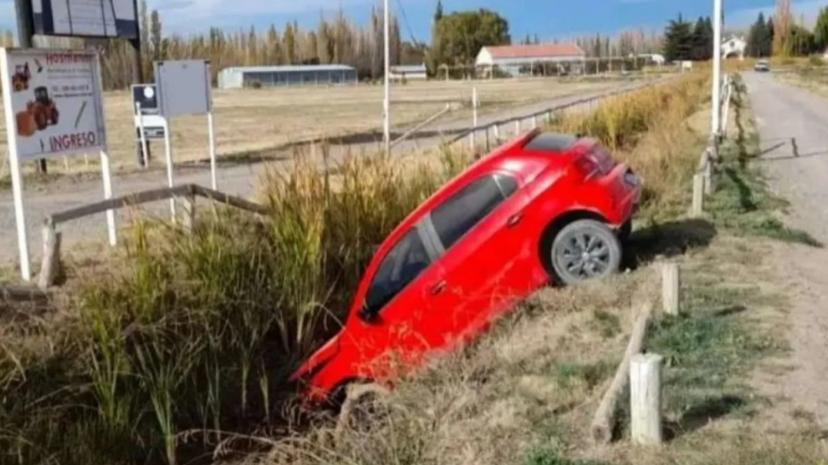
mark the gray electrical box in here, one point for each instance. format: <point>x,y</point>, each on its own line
<point>183,87</point>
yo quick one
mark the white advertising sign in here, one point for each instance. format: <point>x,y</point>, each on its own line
<point>54,105</point>
<point>86,18</point>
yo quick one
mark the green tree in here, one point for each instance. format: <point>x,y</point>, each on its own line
<point>703,40</point>
<point>678,40</point>
<point>759,40</point>
<point>821,30</point>
<point>460,36</point>
<point>156,37</point>
<point>801,41</point>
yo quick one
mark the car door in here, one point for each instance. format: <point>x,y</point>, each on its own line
<point>484,245</point>
<point>394,304</point>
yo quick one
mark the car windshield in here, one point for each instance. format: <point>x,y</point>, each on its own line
<point>406,261</point>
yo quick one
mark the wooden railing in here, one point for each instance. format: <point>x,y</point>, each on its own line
<point>187,193</point>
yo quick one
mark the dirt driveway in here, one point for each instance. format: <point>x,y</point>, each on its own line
<point>793,127</point>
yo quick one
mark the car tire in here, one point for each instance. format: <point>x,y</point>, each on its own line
<point>583,250</point>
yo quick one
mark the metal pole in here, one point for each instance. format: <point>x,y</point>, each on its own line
<point>213,175</point>
<point>474,119</point>
<point>142,136</point>
<point>17,179</point>
<point>387,100</point>
<point>717,68</point>
<point>107,185</point>
<point>168,149</point>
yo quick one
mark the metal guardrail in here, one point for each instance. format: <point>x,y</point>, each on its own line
<point>548,112</point>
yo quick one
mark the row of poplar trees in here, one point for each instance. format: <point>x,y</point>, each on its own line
<point>335,40</point>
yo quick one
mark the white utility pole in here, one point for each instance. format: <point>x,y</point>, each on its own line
<point>716,125</point>
<point>387,101</point>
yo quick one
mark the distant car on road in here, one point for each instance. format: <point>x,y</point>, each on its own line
<point>762,66</point>
<point>545,208</point>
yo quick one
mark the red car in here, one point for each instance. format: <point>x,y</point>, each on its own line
<point>543,208</point>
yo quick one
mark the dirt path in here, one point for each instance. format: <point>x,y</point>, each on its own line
<point>793,127</point>
<point>237,179</point>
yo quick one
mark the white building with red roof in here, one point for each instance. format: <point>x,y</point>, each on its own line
<point>515,59</point>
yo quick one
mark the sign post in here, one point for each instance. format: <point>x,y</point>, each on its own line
<point>184,88</point>
<point>716,124</point>
<point>53,108</point>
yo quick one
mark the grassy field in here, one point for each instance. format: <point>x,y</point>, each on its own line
<point>525,395</point>
<point>183,351</point>
<point>190,340</point>
<point>255,121</point>
<point>811,74</point>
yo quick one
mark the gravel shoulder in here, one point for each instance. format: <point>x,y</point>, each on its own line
<point>793,128</point>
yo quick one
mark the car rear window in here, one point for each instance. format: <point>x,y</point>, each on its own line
<point>551,142</point>
<point>467,208</point>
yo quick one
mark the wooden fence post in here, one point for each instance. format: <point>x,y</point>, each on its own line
<point>670,288</point>
<point>645,399</point>
<point>50,268</point>
<point>697,210</point>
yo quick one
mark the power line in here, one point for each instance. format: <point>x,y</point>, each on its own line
<point>407,24</point>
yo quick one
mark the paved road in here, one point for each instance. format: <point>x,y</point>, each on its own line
<point>793,124</point>
<point>237,179</point>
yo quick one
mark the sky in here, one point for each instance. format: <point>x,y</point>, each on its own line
<point>549,19</point>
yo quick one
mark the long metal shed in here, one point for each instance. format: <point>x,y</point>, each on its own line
<point>290,75</point>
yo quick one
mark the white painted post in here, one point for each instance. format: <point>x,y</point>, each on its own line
<point>645,399</point>
<point>473,138</point>
<point>168,150</point>
<point>107,185</point>
<point>534,121</point>
<point>717,68</point>
<point>697,210</point>
<point>497,133</point>
<point>670,288</point>
<point>213,175</point>
<point>387,99</point>
<point>517,127</point>
<point>17,179</point>
<point>19,211</point>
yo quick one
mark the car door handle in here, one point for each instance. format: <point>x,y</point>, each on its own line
<point>514,220</point>
<point>439,288</point>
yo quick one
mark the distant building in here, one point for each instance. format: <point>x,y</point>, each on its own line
<point>521,59</point>
<point>409,73</point>
<point>651,58</point>
<point>298,75</point>
<point>735,46</point>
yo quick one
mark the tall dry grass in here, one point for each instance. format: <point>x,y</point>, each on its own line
<point>194,334</point>
<point>188,339</point>
<point>653,131</point>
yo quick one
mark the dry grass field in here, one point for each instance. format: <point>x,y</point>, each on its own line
<point>255,121</point>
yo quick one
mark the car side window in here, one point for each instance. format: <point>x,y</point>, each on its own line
<point>458,215</point>
<point>406,261</point>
